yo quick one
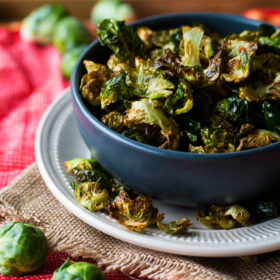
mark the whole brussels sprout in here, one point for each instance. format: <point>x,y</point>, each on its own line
<point>23,249</point>
<point>69,60</point>
<point>78,271</point>
<point>110,9</point>
<point>38,26</point>
<point>70,32</point>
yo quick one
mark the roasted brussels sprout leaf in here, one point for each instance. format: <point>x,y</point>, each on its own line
<point>91,195</point>
<point>88,170</point>
<point>68,33</point>
<point>121,39</point>
<point>258,138</point>
<point>174,227</point>
<point>187,88</point>
<point>264,207</point>
<point>78,271</point>
<point>136,135</point>
<point>225,217</point>
<point>273,41</point>
<point>217,140</point>
<point>39,25</point>
<point>113,120</point>
<point>259,91</point>
<point>134,213</point>
<point>271,113</point>
<point>266,30</point>
<point>23,249</point>
<point>181,101</point>
<point>113,90</point>
<point>240,54</point>
<point>148,84</point>
<point>192,39</point>
<point>149,112</point>
<point>233,109</point>
<point>92,82</point>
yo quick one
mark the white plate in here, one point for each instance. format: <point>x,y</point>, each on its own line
<point>58,140</point>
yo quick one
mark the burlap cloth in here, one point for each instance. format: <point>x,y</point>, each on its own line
<point>27,199</point>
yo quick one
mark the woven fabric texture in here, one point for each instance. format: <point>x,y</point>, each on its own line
<point>27,199</point>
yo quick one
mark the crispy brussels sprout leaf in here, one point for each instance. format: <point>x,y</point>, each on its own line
<point>94,67</point>
<point>192,39</point>
<point>240,54</point>
<point>213,71</point>
<point>181,101</point>
<point>271,113</point>
<point>264,208</point>
<point>225,217</point>
<point>190,130</point>
<point>121,39</point>
<point>164,39</point>
<point>207,48</point>
<point>88,170</point>
<point>80,164</point>
<point>113,120</point>
<point>149,112</point>
<point>259,92</point>
<point>174,227</point>
<point>117,66</point>
<point>68,33</point>
<point>238,68</point>
<point>113,90</point>
<point>39,25</point>
<point>265,63</point>
<point>92,82</point>
<point>258,138</point>
<point>219,139</point>
<point>266,30</point>
<point>233,109</point>
<point>205,77</point>
<point>91,195</point>
<point>134,213</point>
<point>196,149</point>
<point>239,214</point>
<point>136,135</point>
<point>273,41</point>
<point>148,83</point>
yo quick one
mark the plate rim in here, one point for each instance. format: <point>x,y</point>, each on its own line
<point>139,239</point>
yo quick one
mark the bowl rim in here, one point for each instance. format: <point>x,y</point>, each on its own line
<point>149,148</point>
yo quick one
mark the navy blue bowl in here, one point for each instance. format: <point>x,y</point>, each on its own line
<point>179,178</point>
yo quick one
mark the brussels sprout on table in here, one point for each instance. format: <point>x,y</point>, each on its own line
<point>39,25</point>
<point>23,249</point>
<point>69,59</point>
<point>111,9</point>
<point>69,33</point>
<point>78,271</point>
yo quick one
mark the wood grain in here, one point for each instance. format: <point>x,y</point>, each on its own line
<point>17,9</point>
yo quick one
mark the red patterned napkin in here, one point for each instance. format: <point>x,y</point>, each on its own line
<point>30,80</point>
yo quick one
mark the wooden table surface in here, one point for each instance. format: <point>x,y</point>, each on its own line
<point>17,9</point>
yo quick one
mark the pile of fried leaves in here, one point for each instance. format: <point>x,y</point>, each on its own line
<point>97,190</point>
<point>187,88</point>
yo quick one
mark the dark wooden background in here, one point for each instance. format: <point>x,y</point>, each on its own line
<point>17,9</point>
